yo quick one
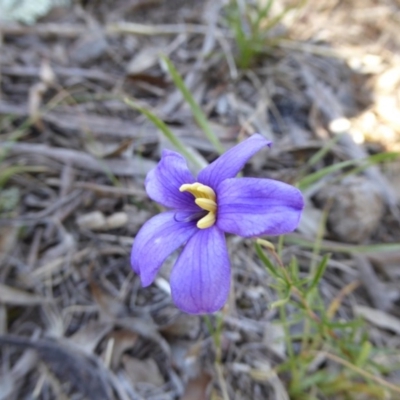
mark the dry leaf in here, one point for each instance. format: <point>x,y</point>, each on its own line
<point>142,371</point>
<point>378,318</point>
<point>3,319</point>
<point>93,220</point>
<point>183,325</point>
<point>145,59</point>
<point>8,236</point>
<point>196,389</point>
<point>146,329</point>
<point>97,221</point>
<point>379,292</point>
<point>123,340</point>
<point>274,339</point>
<point>101,149</point>
<point>6,387</point>
<point>82,372</point>
<point>21,368</point>
<point>264,372</point>
<point>109,305</point>
<point>18,297</point>
<point>88,48</point>
<point>117,220</point>
<point>88,337</point>
<point>185,356</point>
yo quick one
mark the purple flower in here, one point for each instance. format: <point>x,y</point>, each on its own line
<point>202,210</point>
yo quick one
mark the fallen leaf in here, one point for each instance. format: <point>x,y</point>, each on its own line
<point>142,371</point>
<point>18,297</point>
<point>186,357</point>
<point>93,220</point>
<point>197,388</point>
<point>109,305</point>
<point>143,60</point>
<point>88,48</point>
<point>264,372</point>
<point>3,319</point>
<point>89,336</point>
<point>378,318</point>
<point>183,326</point>
<point>146,329</point>
<point>123,341</point>
<point>101,149</point>
<point>8,237</point>
<point>117,220</point>
<point>84,373</point>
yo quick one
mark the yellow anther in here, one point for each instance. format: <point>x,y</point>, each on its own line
<point>206,221</point>
<point>198,190</point>
<point>205,198</point>
<point>207,192</point>
<point>207,204</point>
<point>187,187</point>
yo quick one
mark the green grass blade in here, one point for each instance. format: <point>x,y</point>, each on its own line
<point>376,159</point>
<point>364,354</point>
<point>280,302</point>
<point>266,261</point>
<point>316,176</point>
<point>196,110</point>
<point>9,172</point>
<point>165,131</point>
<point>321,153</point>
<point>263,13</point>
<point>343,247</point>
<point>319,272</point>
<point>365,163</point>
<point>354,324</point>
<point>294,269</point>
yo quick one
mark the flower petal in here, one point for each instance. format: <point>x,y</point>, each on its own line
<point>230,163</point>
<point>156,240</point>
<point>163,182</point>
<point>251,207</point>
<point>200,279</point>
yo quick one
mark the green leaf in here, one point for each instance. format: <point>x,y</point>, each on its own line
<point>9,172</point>
<point>196,110</point>
<point>344,325</point>
<point>294,269</point>
<point>321,153</point>
<point>280,303</point>
<point>314,379</point>
<point>364,354</point>
<point>319,272</point>
<point>266,261</point>
<point>9,199</point>
<point>166,131</point>
<point>316,176</point>
<point>360,163</point>
<point>343,247</point>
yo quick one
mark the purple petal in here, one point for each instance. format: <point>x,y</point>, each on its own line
<point>156,240</point>
<point>230,163</point>
<point>251,207</point>
<point>163,182</point>
<point>200,279</point>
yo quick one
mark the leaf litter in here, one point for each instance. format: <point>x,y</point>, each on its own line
<point>66,234</point>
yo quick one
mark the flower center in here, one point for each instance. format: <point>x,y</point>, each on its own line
<point>205,198</point>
